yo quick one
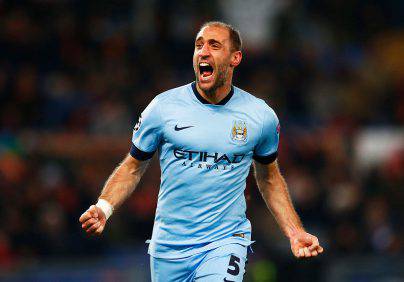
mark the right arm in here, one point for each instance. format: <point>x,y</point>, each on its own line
<point>117,189</point>
<point>123,181</point>
<point>125,178</point>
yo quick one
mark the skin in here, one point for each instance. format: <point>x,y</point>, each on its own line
<point>212,45</point>
<point>117,189</point>
<point>274,191</point>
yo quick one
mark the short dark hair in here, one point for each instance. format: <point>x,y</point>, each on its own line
<point>234,34</point>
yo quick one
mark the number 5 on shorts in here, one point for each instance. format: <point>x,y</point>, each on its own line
<point>234,268</point>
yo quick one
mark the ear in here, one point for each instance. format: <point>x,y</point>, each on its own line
<point>236,58</point>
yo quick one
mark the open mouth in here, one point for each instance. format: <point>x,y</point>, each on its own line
<point>205,69</point>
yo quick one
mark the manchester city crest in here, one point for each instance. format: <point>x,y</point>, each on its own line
<point>239,131</point>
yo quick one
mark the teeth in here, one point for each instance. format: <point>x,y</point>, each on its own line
<point>204,64</point>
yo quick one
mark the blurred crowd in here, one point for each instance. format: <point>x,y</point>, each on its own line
<point>74,74</point>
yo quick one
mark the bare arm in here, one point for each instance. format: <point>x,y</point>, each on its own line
<point>117,189</point>
<point>123,181</point>
<point>275,193</point>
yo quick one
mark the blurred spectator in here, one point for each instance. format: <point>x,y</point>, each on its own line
<point>75,76</point>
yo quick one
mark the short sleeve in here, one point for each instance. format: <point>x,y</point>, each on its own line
<point>266,150</point>
<point>146,133</point>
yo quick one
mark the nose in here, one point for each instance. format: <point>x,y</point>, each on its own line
<point>204,51</point>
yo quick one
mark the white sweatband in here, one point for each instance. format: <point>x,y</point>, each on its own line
<point>106,207</point>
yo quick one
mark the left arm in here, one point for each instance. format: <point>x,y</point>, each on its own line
<point>275,193</point>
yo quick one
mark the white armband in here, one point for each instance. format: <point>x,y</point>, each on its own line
<point>106,207</point>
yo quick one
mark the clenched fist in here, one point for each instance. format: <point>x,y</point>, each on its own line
<point>305,245</point>
<point>93,220</point>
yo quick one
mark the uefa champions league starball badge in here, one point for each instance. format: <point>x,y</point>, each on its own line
<point>239,131</point>
<point>138,124</point>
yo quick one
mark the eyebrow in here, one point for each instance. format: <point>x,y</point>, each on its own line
<point>210,40</point>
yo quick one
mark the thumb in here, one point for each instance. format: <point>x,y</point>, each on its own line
<point>100,213</point>
<point>93,211</point>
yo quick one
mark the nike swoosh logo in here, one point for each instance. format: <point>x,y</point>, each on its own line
<point>225,280</point>
<point>176,128</point>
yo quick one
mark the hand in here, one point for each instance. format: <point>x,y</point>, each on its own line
<point>305,245</point>
<point>93,220</point>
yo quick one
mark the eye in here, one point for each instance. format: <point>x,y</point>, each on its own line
<point>216,46</point>
<point>198,45</point>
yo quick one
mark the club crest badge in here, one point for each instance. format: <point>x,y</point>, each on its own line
<point>239,131</point>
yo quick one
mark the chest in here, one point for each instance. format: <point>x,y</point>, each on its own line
<point>221,131</point>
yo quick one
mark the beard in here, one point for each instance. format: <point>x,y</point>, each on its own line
<point>219,81</point>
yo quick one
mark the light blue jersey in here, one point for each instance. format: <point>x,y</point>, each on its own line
<point>205,153</point>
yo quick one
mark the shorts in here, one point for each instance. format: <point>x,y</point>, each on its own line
<point>225,263</point>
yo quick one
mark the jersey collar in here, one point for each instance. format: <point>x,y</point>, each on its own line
<point>204,101</point>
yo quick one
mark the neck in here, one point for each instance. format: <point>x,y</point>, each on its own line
<point>217,95</point>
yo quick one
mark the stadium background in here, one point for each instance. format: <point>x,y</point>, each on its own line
<point>74,76</point>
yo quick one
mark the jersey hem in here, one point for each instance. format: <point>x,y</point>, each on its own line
<point>213,245</point>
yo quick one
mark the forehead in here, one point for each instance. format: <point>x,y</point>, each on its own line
<point>213,32</point>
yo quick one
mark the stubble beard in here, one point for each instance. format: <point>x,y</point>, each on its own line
<point>219,82</point>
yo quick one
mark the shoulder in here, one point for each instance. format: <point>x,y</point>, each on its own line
<point>260,106</point>
<point>172,94</point>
